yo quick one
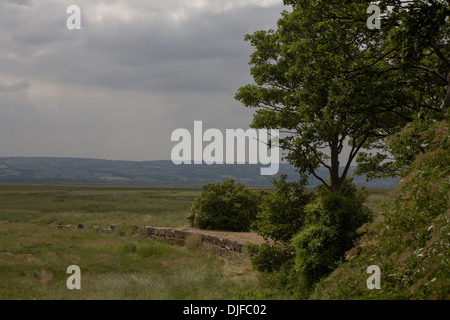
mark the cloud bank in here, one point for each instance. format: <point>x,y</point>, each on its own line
<point>136,71</point>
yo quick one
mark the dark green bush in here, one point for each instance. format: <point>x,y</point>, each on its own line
<point>330,230</point>
<point>316,251</point>
<point>344,213</point>
<point>282,211</point>
<point>281,216</point>
<point>267,258</point>
<point>224,206</point>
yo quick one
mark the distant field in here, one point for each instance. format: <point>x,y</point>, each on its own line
<point>377,195</point>
<point>101,205</point>
<point>34,254</point>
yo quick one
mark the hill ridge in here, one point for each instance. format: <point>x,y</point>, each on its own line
<point>68,170</point>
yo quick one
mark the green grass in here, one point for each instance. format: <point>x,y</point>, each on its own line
<point>34,253</point>
<point>102,205</point>
<point>34,259</point>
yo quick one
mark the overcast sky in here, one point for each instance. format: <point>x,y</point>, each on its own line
<point>136,71</point>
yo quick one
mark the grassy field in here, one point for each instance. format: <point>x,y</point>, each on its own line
<point>34,253</point>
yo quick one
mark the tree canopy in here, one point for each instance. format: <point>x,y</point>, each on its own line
<point>326,80</point>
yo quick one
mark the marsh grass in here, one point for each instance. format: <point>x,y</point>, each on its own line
<point>125,264</point>
<point>193,242</point>
<point>34,259</point>
<point>101,205</point>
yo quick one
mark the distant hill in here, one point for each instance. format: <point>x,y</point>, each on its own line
<point>163,172</point>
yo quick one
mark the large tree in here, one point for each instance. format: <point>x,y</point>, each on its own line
<point>416,43</point>
<point>419,31</point>
<point>302,88</point>
<point>326,80</point>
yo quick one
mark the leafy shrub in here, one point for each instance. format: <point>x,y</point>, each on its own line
<point>281,216</point>
<point>224,206</point>
<point>316,251</point>
<point>282,211</point>
<point>344,212</point>
<point>330,230</point>
<point>267,258</point>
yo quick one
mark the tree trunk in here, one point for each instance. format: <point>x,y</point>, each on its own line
<point>335,180</point>
<point>447,97</point>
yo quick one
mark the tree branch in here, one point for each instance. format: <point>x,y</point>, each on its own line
<point>321,180</point>
<point>318,157</point>
<point>430,70</point>
<point>441,55</point>
<point>352,155</point>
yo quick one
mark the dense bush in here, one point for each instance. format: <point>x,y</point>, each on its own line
<point>281,216</point>
<point>316,253</point>
<point>282,211</point>
<point>224,206</point>
<point>269,258</point>
<point>310,232</point>
<point>330,230</point>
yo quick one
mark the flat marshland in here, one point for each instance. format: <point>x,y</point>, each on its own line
<point>124,264</point>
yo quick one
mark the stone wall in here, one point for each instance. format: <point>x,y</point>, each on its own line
<point>179,235</point>
<point>171,235</point>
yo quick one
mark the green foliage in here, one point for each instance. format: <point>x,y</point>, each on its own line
<point>324,226</point>
<point>416,44</point>
<point>269,258</point>
<point>282,211</point>
<point>282,215</point>
<point>224,206</point>
<point>412,242</point>
<point>322,78</point>
<point>330,230</point>
<point>317,252</point>
<point>416,138</point>
<point>344,212</point>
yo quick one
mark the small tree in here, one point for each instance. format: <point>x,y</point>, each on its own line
<point>224,206</point>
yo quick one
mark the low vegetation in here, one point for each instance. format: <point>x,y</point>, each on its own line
<point>34,259</point>
<point>35,253</point>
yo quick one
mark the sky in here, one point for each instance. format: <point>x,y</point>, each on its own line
<point>136,71</point>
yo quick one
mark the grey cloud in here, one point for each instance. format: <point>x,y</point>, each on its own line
<point>27,3</point>
<point>18,86</point>
<point>144,55</point>
<point>117,88</point>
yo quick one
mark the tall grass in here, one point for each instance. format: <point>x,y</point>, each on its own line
<point>34,259</point>
<point>34,253</point>
<point>102,205</point>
